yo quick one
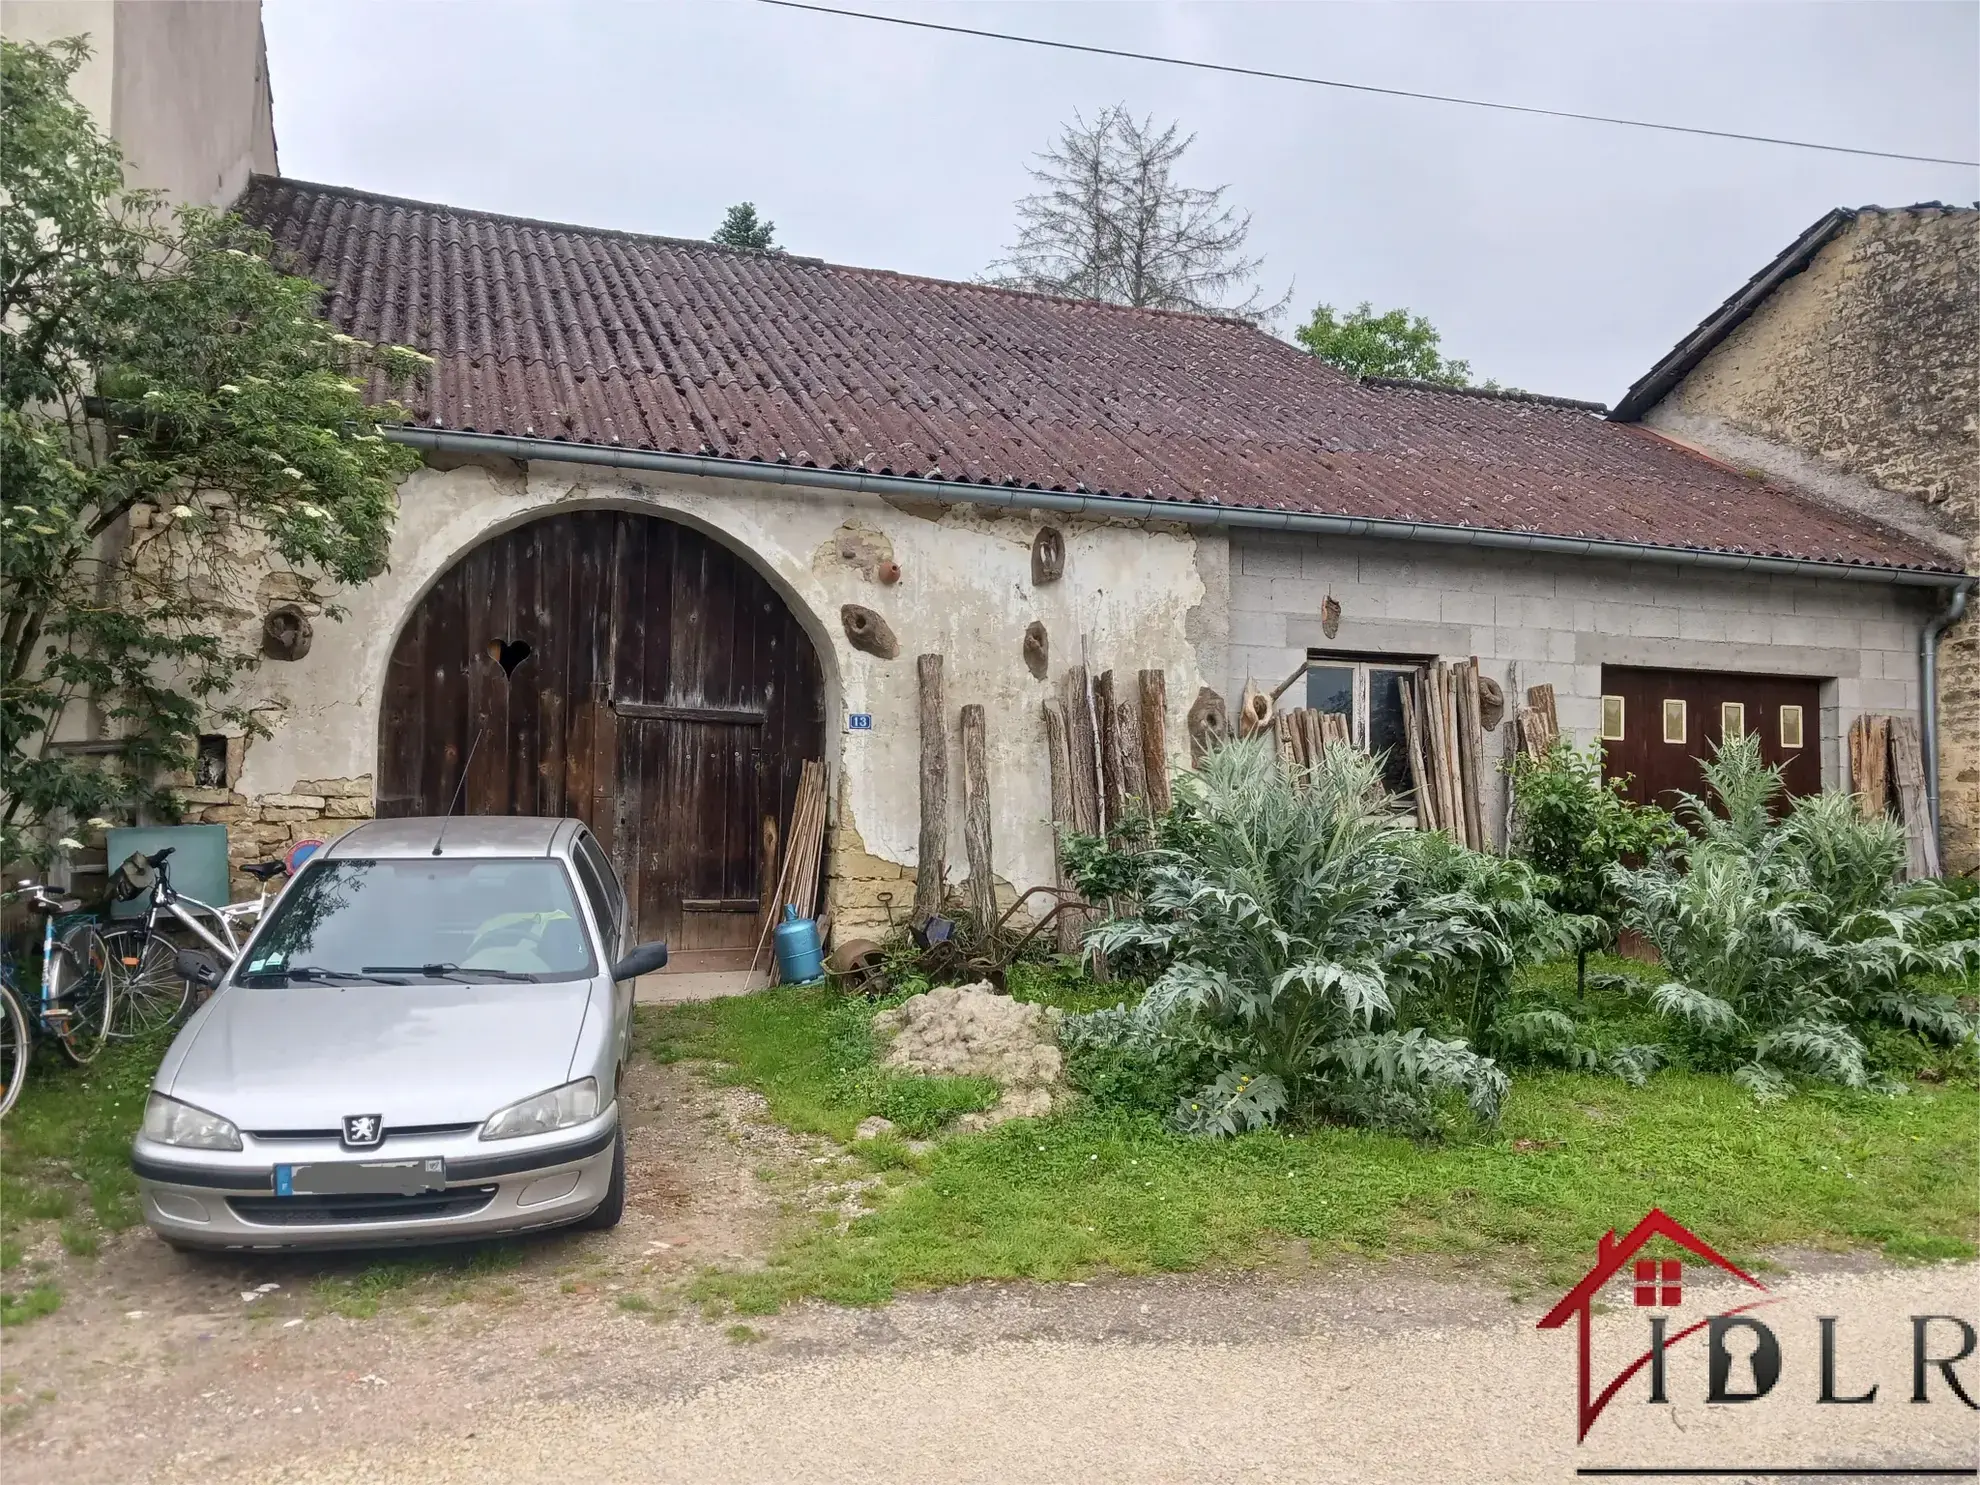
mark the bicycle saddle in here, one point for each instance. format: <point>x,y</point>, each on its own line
<point>154,862</point>
<point>53,907</point>
<point>263,871</point>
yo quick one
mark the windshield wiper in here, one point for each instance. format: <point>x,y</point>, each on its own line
<point>318,972</point>
<point>450,972</point>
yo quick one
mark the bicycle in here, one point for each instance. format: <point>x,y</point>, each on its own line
<point>78,994</point>
<point>151,990</point>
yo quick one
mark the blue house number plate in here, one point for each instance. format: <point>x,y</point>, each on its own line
<point>859,721</point>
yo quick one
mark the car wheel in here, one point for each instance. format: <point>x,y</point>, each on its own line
<point>607,1213</point>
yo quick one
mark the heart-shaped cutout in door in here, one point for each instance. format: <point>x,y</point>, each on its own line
<point>509,653</point>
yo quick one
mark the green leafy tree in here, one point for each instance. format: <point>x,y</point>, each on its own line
<point>1573,825</point>
<point>173,413</point>
<point>1396,344</point>
<point>743,228</point>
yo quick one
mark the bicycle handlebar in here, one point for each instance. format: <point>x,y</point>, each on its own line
<point>154,862</point>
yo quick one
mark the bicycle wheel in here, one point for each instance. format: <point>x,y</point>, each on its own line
<point>151,993</point>
<point>84,991</point>
<point>15,1047</point>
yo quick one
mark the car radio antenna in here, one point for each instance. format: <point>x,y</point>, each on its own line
<point>458,790</point>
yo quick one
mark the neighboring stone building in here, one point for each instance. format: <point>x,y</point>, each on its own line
<point>1850,367</point>
<point>181,85</point>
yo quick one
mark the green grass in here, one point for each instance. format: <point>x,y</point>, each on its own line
<point>810,1053</point>
<point>1106,1189</point>
<point>66,1146</point>
<point>359,1295</point>
<point>18,1309</point>
<point>65,1154</point>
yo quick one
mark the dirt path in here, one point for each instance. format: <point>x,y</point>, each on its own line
<point>576,1358</point>
<point>159,1363</point>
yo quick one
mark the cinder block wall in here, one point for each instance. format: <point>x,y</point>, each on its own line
<point>1563,619</point>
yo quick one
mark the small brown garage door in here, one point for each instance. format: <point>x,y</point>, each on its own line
<point>1658,724</point>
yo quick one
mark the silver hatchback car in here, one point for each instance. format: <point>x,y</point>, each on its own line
<point>422,1042</point>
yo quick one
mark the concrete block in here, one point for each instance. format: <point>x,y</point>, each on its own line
<point>1421,605</point>
<point>1468,607</point>
<point>1808,631</point>
<point>1391,572</point>
<point>1249,628</point>
<point>1522,582</point>
<point>1704,623</point>
<point>1268,561</point>
<point>1513,643</point>
<point>1293,596</point>
<point>1653,623</point>
<point>1889,634</point>
<point>1886,695</point>
<point>1331,562</point>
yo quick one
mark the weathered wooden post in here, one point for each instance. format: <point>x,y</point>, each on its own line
<point>930,862</point>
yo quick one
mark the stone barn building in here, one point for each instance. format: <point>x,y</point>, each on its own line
<point>689,514</point>
<point>1849,367</point>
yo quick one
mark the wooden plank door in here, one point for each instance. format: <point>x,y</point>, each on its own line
<point>1661,760</point>
<point>626,671</point>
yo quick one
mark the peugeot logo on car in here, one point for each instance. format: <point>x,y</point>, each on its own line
<point>363,1129</point>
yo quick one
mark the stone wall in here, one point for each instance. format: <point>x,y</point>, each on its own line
<point>1859,381</point>
<point>261,827</point>
<point>1562,619</point>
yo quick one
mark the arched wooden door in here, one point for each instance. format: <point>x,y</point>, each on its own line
<point>630,672</point>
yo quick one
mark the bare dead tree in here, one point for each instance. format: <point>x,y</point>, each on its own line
<point>1111,222</point>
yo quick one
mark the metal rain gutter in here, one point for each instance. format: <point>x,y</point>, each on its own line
<point>1174,512</point>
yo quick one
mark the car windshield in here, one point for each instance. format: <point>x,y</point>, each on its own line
<point>390,921</point>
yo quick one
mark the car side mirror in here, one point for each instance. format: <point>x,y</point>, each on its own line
<point>198,966</point>
<point>641,961</point>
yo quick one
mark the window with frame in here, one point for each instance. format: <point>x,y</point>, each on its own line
<point>1791,727</point>
<point>1612,719</point>
<point>595,876</point>
<point>1369,693</point>
<point>1732,720</point>
<point>1675,720</point>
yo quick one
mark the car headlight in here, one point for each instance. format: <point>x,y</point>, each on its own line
<point>169,1122</point>
<point>558,1108</point>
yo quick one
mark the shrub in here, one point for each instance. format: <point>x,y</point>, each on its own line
<point>1503,903</point>
<point>1298,924</point>
<point>1786,940</point>
<point>1573,825</point>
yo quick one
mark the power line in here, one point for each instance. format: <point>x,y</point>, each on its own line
<point>1326,82</point>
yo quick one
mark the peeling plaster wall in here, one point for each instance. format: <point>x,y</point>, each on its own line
<point>1858,380</point>
<point>1139,597</point>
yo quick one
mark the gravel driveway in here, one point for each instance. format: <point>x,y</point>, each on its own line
<point>574,1362</point>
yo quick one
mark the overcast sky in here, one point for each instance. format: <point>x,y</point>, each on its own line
<point>1560,257</point>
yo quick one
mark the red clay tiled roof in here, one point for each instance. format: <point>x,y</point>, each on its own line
<point>610,338</point>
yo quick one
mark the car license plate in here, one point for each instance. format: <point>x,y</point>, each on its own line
<point>362,1177</point>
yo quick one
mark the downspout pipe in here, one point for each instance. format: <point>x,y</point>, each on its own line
<point>1928,698</point>
<point>1174,512</point>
